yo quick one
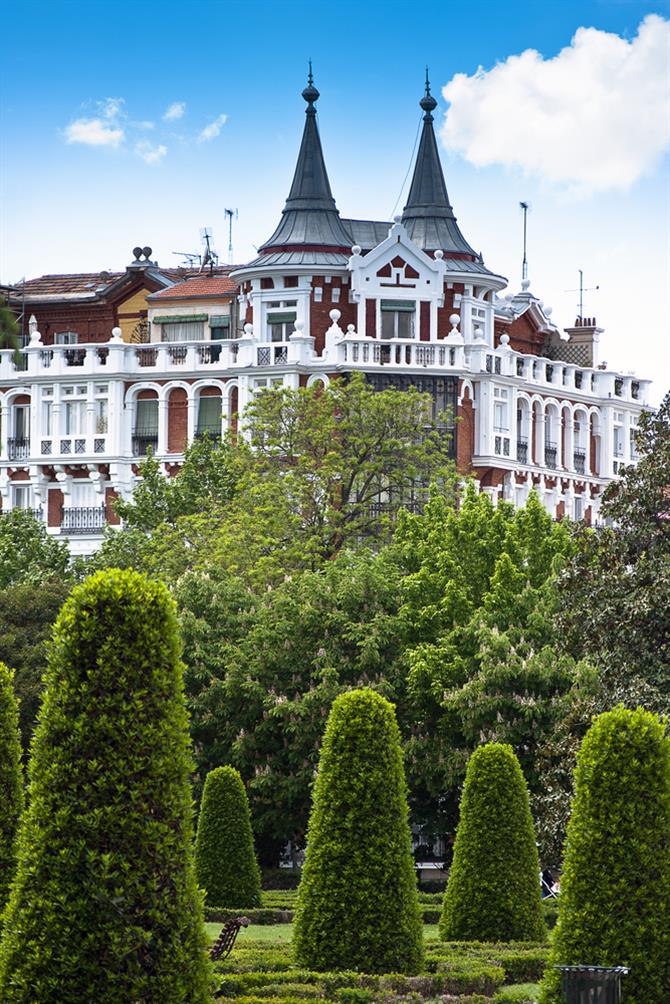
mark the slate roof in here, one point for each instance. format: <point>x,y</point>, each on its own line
<point>428,215</point>
<point>310,216</point>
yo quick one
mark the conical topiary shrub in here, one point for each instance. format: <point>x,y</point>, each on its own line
<point>105,905</point>
<point>11,781</point>
<point>614,906</point>
<point>357,903</point>
<point>225,862</point>
<point>493,892</point>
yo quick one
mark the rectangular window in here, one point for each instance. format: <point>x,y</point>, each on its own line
<point>336,294</point>
<point>74,418</point>
<point>22,496</point>
<point>146,417</point>
<point>501,409</point>
<point>318,294</point>
<point>21,421</point>
<point>397,319</point>
<point>47,418</point>
<point>281,325</point>
<point>101,416</point>
<point>66,338</point>
<point>618,441</point>
<point>209,416</point>
<point>183,331</point>
<point>219,327</point>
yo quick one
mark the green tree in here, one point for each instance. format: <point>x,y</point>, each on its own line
<point>479,609</point>
<point>27,552</point>
<point>105,903</point>
<point>615,886</point>
<point>265,667</point>
<point>10,332</point>
<point>357,902</point>
<point>338,452</point>
<point>28,611</point>
<point>11,781</point>
<point>225,862</point>
<point>493,892</point>
<point>615,593</point>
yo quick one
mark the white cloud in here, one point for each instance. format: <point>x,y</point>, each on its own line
<point>150,154</point>
<point>593,118</point>
<point>212,130</point>
<point>111,108</point>
<point>175,111</point>
<point>94,132</point>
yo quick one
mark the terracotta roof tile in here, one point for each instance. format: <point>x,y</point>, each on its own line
<point>198,287</point>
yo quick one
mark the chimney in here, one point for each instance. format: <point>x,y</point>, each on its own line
<point>584,338</point>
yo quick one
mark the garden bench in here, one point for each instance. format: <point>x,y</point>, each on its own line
<point>223,945</point>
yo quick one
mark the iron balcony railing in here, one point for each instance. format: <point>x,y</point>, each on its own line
<point>142,441</point>
<point>551,455</point>
<point>18,448</point>
<point>37,513</point>
<point>83,519</point>
<point>579,460</point>
<point>522,450</point>
<point>213,431</point>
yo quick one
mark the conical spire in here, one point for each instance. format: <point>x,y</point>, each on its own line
<point>310,217</point>
<point>428,215</point>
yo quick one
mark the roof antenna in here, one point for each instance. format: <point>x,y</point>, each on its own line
<point>210,256</point>
<point>581,292</point>
<point>230,213</point>
<point>524,206</point>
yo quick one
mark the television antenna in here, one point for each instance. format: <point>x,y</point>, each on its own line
<point>581,290</point>
<point>230,213</point>
<point>524,207</point>
<point>191,258</point>
<point>210,257</point>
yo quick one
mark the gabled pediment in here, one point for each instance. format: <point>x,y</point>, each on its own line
<point>397,266</point>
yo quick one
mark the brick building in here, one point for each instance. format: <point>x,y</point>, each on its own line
<point>407,302</point>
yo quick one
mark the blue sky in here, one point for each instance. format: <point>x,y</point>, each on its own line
<point>139,123</point>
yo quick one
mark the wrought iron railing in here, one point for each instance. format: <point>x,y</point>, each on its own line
<point>551,456</point>
<point>142,441</point>
<point>211,430</point>
<point>18,448</point>
<point>522,451</point>
<point>82,519</point>
<point>579,459</point>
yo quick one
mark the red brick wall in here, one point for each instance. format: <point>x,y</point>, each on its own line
<point>110,515</point>
<point>319,313</point>
<point>465,434</point>
<point>445,312</point>
<point>54,507</point>
<point>524,336</point>
<point>177,419</point>
<point>424,321</point>
<point>371,318</point>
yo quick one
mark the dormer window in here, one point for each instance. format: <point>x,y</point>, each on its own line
<point>397,319</point>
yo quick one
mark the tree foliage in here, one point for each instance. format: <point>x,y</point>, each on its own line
<point>27,552</point>
<point>105,904</point>
<point>11,781</point>
<point>493,892</point>
<point>615,886</point>
<point>357,903</point>
<point>28,612</point>
<point>615,593</point>
<point>225,862</point>
<point>265,667</point>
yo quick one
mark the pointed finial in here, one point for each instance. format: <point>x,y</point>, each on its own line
<point>310,94</point>
<point>428,102</point>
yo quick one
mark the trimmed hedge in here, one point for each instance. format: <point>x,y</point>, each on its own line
<point>493,892</point>
<point>225,862</point>
<point>11,781</point>
<point>105,905</point>
<point>357,903</point>
<point>615,886</point>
